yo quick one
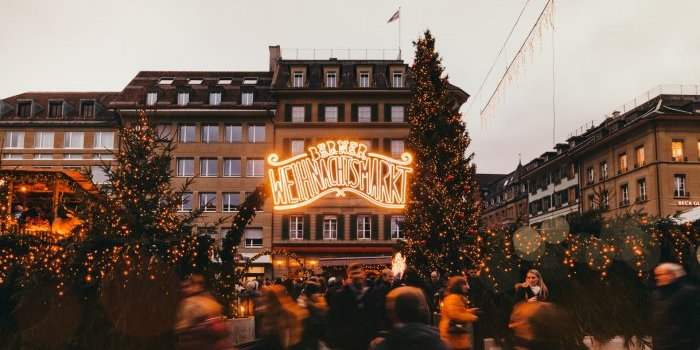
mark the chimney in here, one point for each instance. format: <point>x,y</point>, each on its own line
<point>615,114</point>
<point>275,55</point>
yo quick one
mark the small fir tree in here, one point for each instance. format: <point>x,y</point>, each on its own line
<point>443,212</point>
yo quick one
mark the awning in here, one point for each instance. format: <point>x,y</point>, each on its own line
<point>263,259</point>
<point>344,261</point>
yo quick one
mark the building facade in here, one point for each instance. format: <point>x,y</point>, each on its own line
<point>504,200</point>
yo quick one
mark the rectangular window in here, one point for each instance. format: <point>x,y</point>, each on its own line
<point>195,81</point>
<point>364,114</point>
<point>104,140</point>
<point>215,98</point>
<point>14,139</point>
<point>99,176</point>
<point>250,81</point>
<point>677,151</point>
<point>207,201</point>
<point>330,227</point>
<point>296,227</point>
<point>225,81</point>
<point>331,114</point>
<point>207,167</point>
<point>166,81</point>
<point>592,202</point>
<point>247,98</point>
<point>591,175</point>
<point>298,114</point>
<point>151,98</point>
<point>234,133</point>
<point>163,131</point>
<point>298,79</point>
<point>87,109</point>
<point>43,139</point>
<point>43,156</point>
<point>103,156</point>
<point>397,227</point>
<point>256,133</point>
<point>231,201</point>
<point>297,147</point>
<point>255,168</point>
<point>364,227</point>
<point>397,148</point>
<point>185,202</point>
<point>397,80</point>
<point>183,98</point>
<point>187,133</point>
<point>55,109</point>
<point>642,190</point>
<point>622,162</point>
<point>12,156</point>
<point>185,167</point>
<point>210,133</point>
<point>604,200</point>
<point>24,109</point>
<point>331,79</point>
<point>624,195</point>
<point>603,170</point>
<point>397,114</point>
<point>679,186</point>
<point>232,167</point>
<point>253,238</point>
<point>363,80</point>
<point>73,156</point>
<point>640,159</point>
<point>73,139</point>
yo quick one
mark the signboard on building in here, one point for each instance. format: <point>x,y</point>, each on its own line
<point>338,167</point>
<point>688,203</point>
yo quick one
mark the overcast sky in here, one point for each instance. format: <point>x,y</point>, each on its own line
<point>607,51</point>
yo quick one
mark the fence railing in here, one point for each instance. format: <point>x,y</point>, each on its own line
<point>663,89</point>
<point>341,54</point>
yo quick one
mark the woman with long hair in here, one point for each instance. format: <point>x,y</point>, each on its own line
<point>457,315</point>
<point>533,289</point>
<point>282,320</point>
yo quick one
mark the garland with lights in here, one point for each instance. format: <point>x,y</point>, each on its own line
<point>442,214</point>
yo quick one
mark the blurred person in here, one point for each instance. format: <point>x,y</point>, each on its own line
<point>377,302</point>
<point>200,323</point>
<point>457,315</point>
<point>313,301</point>
<point>434,291</point>
<point>675,313</point>
<point>348,328</point>
<point>408,311</point>
<point>533,289</point>
<point>541,326</point>
<point>282,320</point>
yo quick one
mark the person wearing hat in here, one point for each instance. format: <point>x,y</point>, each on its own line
<point>348,328</point>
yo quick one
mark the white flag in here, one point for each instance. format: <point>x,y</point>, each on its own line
<point>394,17</point>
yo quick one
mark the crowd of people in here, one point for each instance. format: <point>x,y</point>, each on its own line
<point>380,311</point>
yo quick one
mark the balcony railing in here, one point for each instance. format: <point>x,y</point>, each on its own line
<point>339,53</point>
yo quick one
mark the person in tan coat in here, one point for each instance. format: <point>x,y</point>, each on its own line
<point>457,315</point>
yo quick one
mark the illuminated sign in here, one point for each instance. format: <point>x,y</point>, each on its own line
<point>339,167</point>
<point>688,203</point>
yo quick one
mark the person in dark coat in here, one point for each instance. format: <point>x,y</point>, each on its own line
<point>377,302</point>
<point>348,328</point>
<point>676,314</point>
<point>409,313</point>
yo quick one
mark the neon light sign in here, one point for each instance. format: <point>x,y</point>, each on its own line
<point>338,167</point>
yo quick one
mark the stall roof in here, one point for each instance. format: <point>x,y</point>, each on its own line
<point>74,176</point>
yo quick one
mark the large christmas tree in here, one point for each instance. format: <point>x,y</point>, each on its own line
<point>443,213</point>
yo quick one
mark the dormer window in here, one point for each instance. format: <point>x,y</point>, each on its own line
<point>225,81</point>
<point>183,98</point>
<point>250,81</point>
<point>87,109</point>
<point>55,109</point>
<point>24,109</point>
<point>151,98</point>
<point>246,98</point>
<point>363,80</point>
<point>332,79</point>
<point>298,79</point>
<point>397,79</point>
<point>166,81</point>
<point>215,98</point>
<point>195,82</point>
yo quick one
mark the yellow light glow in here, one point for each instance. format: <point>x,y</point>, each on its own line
<point>338,167</point>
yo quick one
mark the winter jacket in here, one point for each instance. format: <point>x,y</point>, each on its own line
<point>455,308</point>
<point>676,317</point>
<point>412,336</point>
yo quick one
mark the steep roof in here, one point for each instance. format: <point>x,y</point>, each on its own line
<point>40,101</point>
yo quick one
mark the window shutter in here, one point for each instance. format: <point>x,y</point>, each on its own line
<point>353,111</point>
<point>287,113</point>
<point>375,227</point>
<point>321,112</point>
<point>307,113</point>
<point>387,112</point>
<point>341,113</point>
<point>387,145</point>
<point>286,147</point>
<point>319,227</point>
<point>375,113</point>
<point>285,227</point>
<point>353,227</point>
<point>341,227</point>
<point>375,145</point>
<point>307,229</point>
<point>387,227</point>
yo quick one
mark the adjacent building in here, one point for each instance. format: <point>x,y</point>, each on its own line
<point>504,198</point>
